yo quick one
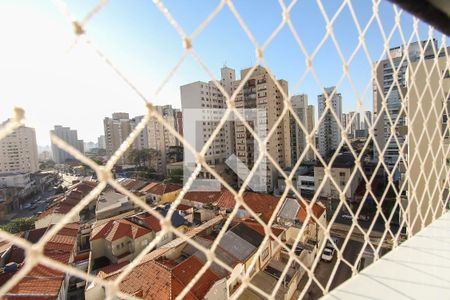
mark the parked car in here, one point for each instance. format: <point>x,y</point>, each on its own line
<point>327,254</point>
<point>346,216</point>
<point>329,244</point>
<point>359,218</point>
<point>363,218</point>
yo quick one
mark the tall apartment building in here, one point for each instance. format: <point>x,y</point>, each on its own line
<point>179,122</point>
<point>70,136</point>
<point>203,105</point>
<point>366,120</point>
<point>298,136</point>
<point>18,151</point>
<point>101,142</point>
<point>391,93</point>
<point>261,94</point>
<point>427,157</point>
<point>329,131</point>
<point>159,138</point>
<point>353,121</point>
<point>311,122</point>
<point>117,130</point>
<point>141,141</point>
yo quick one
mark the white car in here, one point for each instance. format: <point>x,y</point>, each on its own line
<point>327,254</point>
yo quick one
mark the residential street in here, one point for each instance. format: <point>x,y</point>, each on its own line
<point>324,270</point>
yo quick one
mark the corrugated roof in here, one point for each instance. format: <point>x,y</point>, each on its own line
<point>236,246</point>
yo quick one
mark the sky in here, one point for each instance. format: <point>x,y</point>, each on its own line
<point>60,82</point>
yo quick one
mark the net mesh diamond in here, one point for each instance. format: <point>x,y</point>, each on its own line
<point>420,160</point>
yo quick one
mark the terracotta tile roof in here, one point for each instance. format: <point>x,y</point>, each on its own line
<point>317,210</point>
<point>116,229</point>
<point>159,188</point>
<point>259,228</point>
<point>134,185</point>
<point>65,203</point>
<point>183,207</point>
<point>202,197</point>
<point>187,269</point>
<point>151,222</point>
<point>163,279</point>
<point>81,256</point>
<point>263,204</point>
<point>43,282</point>
<point>46,288</point>
<point>146,188</point>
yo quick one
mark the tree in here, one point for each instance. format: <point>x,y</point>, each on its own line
<point>144,157</point>
<point>46,164</point>
<point>175,176</point>
<point>19,224</point>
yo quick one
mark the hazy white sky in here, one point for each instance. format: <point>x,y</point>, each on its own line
<point>58,84</point>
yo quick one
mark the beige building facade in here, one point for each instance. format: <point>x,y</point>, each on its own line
<point>117,130</point>
<point>18,152</point>
<point>261,94</point>
<point>428,160</point>
<point>203,105</point>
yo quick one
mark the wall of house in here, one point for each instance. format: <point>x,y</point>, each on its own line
<point>94,292</point>
<point>98,248</point>
<point>341,176</point>
<point>119,247</point>
<point>233,278</point>
<point>218,291</point>
<point>170,197</point>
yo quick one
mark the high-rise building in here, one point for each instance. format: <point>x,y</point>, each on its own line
<point>366,120</point>
<point>117,130</point>
<point>298,136</point>
<point>179,122</point>
<point>18,151</point>
<point>311,122</point>
<point>386,90</point>
<point>428,85</point>
<point>101,142</point>
<point>261,94</point>
<point>203,105</point>
<point>141,141</point>
<point>159,137</point>
<point>70,136</point>
<point>329,131</point>
<point>353,118</point>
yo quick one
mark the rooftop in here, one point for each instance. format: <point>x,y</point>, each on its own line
<point>117,229</point>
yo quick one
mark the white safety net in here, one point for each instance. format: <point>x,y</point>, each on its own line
<point>414,129</point>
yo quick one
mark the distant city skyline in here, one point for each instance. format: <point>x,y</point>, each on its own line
<point>45,75</point>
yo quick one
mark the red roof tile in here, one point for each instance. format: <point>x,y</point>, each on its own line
<point>263,204</point>
<point>259,228</point>
<point>116,229</point>
<point>202,197</point>
<point>165,279</point>
<point>317,210</point>
<point>43,282</point>
<point>151,222</point>
<point>159,188</point>
<point>187,269</point>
